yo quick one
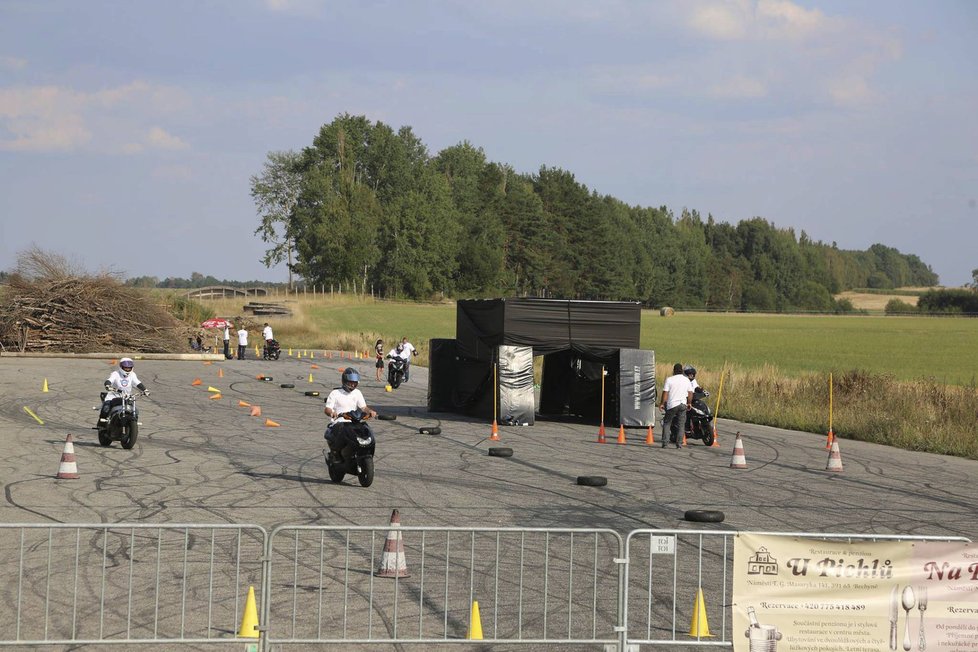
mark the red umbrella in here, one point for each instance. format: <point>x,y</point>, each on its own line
<point>217,322</point>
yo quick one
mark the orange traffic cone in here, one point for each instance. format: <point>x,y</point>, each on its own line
<point>196,382</point>
<point>649,437</point>
<point>271,424</point>
<point>314,366</point>
<point>601,439</point>
<point>829,439</point>
<point>621,434</point>
<point>835,458</point>
<point>68,469</point>
<point>256,410</point>
<point>220,373</point>
<point>393,563</point>
<point>495,431</point>
<point>738,461</point>
<point>243,404</point>
<point>214,397</point>
<point>684,440</point>
<point>716,438</point>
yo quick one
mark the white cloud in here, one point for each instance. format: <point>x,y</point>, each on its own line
<point>159,137</point>
<point>760,20</point>
<point>739,87</point>
<point>12,63</point>
<point>54,118</point>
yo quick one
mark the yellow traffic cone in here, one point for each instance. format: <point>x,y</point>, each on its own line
<point>249,620</point>
<point>45,388</point>
<point>290,351</point>
<point>475,624</point>
<point>699,627</point>
<point>213,390</point>
<point>310,378</point>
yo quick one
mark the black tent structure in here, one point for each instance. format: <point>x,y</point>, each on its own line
<point>582,342</point>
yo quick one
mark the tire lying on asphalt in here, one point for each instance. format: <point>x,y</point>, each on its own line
<point>430,430</point>
<point>312,393</point>
<point>287,385</point>
<point>703,516</point>
<point>592,480</point>
<point>500,451</point>
<point>387,417</point>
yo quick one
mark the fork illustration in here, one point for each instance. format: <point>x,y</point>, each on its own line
<point>922,605</point>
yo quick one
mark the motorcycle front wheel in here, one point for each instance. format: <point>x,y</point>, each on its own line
<point>366,476</point>
<point>706,433</point>
<point>103,437</point>
<point>130,439</point>
<point>335,472</point>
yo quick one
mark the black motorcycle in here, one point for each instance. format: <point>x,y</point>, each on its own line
<point>699,417</point>
<point>122,423</point>
<point>352,449</point>
<point>395,371</point>
<point>271,350</point>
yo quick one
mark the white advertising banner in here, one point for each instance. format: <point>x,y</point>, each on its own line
<point>810,595</point>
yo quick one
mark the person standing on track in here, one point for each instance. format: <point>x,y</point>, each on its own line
<point>677,397</point>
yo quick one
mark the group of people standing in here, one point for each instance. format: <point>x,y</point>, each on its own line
<point>403,350</point>
<point>266,334</point>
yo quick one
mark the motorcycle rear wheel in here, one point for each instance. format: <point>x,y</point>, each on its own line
<point>130,440</point>
<point>366,476</point>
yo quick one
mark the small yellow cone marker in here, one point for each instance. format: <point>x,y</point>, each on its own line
<point>310,378</point>
<point>45,388</point>
<point>249,619</point>
<point>213,389</point>
<point>475,623</point>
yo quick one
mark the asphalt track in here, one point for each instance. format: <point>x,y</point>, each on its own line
<point>200,460</point>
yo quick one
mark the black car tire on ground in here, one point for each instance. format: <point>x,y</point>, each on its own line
<point>312,393</point>
<point>500,451</point>
<point>704,516</point>
<point>592,480</point>
<point>287,385</point>
<point>430,430</point>
<point>387,417</point>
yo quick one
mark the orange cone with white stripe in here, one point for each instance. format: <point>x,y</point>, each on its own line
<point>393,563</point>
<point>69,468</point>
<point>494,436</point>
<point>835,458</point>
<point>738,461</point>
<point>621,434</point>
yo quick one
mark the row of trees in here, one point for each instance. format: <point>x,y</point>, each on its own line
<point>367,203</point>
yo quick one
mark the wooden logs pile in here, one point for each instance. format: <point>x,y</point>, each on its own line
<point>76,314</point>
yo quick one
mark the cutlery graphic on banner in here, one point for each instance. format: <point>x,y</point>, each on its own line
<point>909,601</point>
<point>894,611</point>
<point>922,606</point>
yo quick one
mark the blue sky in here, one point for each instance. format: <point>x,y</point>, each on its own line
<point>129,130</point>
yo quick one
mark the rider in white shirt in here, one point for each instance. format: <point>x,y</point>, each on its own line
<point>342,401</point>
<point>119,384</point>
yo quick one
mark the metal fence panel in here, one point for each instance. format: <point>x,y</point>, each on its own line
<point>670,571</point>
<point>126,583</point>
<point>544,586</point>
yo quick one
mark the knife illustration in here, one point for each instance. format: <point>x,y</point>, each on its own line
<point>894,610</point>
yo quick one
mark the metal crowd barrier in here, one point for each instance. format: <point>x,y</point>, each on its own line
<point>126,584</point>
<point>186,585</point>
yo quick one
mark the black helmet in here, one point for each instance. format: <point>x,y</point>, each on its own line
<point>690,371</point>
<point>351,378</point>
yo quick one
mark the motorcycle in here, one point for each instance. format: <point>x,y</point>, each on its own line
<point>395,371</point>
<point>352,450</point>
<point>271,350</point>
<point>122,423</point>
<point>698,418</point>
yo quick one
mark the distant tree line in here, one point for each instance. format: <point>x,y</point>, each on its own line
<point>196,280</point>
<point>367,204</point>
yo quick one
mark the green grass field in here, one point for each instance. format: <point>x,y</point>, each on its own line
<point>908,348</point>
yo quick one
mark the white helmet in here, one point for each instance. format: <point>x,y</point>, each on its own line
<point>125,366</point>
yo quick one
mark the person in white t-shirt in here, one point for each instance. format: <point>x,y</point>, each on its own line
<point>340,403</point>
<point>242,342</point>
<point>407,352</point>
<point>677,397</point>
<point>266,333</point>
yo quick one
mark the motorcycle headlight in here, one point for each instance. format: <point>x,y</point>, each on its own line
<point>363,441</point>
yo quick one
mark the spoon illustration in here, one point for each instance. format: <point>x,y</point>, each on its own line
<point>908,603</point>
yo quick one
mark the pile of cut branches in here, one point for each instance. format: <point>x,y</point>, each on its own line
<point>48,308</point>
